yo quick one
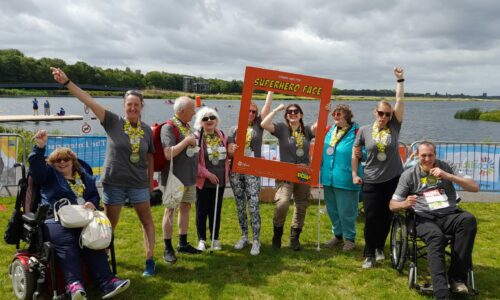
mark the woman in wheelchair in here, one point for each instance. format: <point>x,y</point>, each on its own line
<point>61,176</point>
<point>427,188</point>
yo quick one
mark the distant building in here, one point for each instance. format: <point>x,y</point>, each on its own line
<point>485,95</point>
<point>189,85</point>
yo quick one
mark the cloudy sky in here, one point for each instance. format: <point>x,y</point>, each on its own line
<point>445,46</point>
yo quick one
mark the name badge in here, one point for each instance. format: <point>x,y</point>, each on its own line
<point>222,152</point>
<point>436,200</point>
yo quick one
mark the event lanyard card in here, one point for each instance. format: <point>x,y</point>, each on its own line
<point>435,199</point>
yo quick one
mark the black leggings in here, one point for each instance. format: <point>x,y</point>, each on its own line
<point>205,204</point>
<point>376,198</point>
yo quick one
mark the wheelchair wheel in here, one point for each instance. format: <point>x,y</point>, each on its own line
<point>23,281</point>
<point>399,242</point>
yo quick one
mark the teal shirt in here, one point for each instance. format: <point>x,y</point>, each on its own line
<point>336,168</point>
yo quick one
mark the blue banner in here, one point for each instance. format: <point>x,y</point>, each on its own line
<point>91,149</point>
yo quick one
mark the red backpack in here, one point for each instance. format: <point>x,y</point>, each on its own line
<point>160,162</point>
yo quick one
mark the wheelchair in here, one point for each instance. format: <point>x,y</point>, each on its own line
<point>33,269</point>
<point>406,245</point>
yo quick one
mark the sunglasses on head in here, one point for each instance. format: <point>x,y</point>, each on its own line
<point>204,119</point>
<point>62,159</point>
<point>252,111</point>
<point>293,111</point>
<point>383,113</point>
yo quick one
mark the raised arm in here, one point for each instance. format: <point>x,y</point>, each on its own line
<point>468,184</point>
<point>267,123</point>
<point>400,94</point>
<point>314,126</point>
<point>267,105</point>
<point>76,91</point>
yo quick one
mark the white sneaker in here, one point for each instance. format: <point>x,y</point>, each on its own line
<point>241,243</point>
<point>379,255</point>
<point>217,245</point>
<point>368,263</point>
<point>202,245</point>
<point>255,248</point>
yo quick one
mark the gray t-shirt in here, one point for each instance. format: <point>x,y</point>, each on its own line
<point>255,142</point>
<point>185,168</point>
<point>288,148</point>
<point>413,181</point>
<point>118,169</point>
<point>219,169</point>
<point>377,171</point>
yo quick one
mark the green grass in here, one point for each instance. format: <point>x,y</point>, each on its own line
<point>477,114</point>
<point>307,274</point>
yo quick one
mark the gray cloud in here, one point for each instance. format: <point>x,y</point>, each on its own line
<point>445,46</point>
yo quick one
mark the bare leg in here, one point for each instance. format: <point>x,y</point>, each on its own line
<point>113,213</point>
<point>183,220</point>
<point>168,223</point>
<point>143,210</point>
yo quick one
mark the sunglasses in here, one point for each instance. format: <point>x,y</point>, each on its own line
<point>337,114</point>
<point>252,111</point>
<point>293,111</point>
<point>64,159</point>
<point>383,113</point>
<point>204,119</point>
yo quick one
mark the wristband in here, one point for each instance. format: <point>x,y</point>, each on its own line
<point>67,82</point>
<point>401,80</point>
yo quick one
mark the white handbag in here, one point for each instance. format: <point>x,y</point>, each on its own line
<point>72,215</point>
<point>98,233</point>
<point>174,189</point>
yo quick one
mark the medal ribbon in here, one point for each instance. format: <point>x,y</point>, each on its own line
<point>380,137</point>
<point>135,134</point>
<point>213,141</point>
<point>78,188</point>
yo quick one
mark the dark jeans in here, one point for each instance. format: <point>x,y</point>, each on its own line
<point>463,226</point>
<point>205,205</point>
<point>376,198</point>
<point>69,254</point>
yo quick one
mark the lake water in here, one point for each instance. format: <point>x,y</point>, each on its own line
<point>431,120</point>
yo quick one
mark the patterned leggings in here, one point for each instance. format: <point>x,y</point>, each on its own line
<point>249,186</point>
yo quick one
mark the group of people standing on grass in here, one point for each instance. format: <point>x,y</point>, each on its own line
<point>201,156</point>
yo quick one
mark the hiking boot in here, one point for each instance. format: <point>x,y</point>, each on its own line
<point>379,255</point>
<point>369,263</point>
<point>333,242</point>
<point>150,268</point>
<point>188,249</point>
<point>294,238</point>
<point>278,233</point>
<point>202,245</point>
<point>255,248</point>
<point>76,291</point>
<point>348,246</point>
<point>114,287</point>
<point>217,245</point>
<point>169,256</point>
<point>459,287</point>
<point>241,243</point>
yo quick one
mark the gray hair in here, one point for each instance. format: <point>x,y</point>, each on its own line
<point>204,112</point>
<point>181,103</point>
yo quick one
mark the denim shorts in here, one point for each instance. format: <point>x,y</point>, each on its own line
<point>116,195</point>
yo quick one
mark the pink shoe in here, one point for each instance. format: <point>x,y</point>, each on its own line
<point>76,291</point>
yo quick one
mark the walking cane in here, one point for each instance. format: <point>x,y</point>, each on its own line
<point>215,218</point>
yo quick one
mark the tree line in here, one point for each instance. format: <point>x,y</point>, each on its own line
<point>15,67</point>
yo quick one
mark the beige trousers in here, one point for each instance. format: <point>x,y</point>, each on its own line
<point>282,199</point>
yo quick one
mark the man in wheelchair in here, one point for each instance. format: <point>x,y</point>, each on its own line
<point>61,176</point>
<point>428,189</point>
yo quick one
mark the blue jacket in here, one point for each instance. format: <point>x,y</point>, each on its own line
<point>336,168</point>
<point>53,185</point>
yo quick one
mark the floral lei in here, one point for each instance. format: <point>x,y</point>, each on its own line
<point>337,135</point>
<point>248,138</point>
<point>380,136</point>
<point>299,138</point>
<point>78,188</point>
<point>213,141</point>
<point>135,134</point>
<point>183,128</point>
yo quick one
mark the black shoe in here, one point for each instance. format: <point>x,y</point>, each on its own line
<point>169,256</point>
<point>294,238</point>
<point>278,232</point>
<point>188,249</point>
